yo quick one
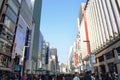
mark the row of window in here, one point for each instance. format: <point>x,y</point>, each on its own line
<point>6,34</point>
<point>109,55</point>
<point>7,27</point>
<point>111,66</point>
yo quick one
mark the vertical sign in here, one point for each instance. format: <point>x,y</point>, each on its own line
<point>86,31</point>
<point>28,43</point>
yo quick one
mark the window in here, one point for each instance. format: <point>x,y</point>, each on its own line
<point>11,14</point>
<point>9,36</point>
<point>102,68</point>
<point>13,6</point>
<point>8,48</point>
<point>112,67</point>
<point>110,54</point>
<point>101,58</point>
<point>4,33</point>
<point>4,60</point>
<point>5,47</point>
<point>118,49</point>
<point>9,24</point>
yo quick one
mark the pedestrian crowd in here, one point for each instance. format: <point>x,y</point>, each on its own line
<point>76,76</point>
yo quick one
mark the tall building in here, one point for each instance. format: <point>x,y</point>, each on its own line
<point>16,23</point>
<point>37,17</point>
<point>63,68</point>
<point>70,65</point>
<point>53,60</point>
<point>45,55</point>
<point>102,31</point>
<point>8,23</point>
<point>41,40</point>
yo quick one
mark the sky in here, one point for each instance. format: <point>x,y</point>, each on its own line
<point>59,24</point>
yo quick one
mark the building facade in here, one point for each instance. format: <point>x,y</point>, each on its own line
<point>37,17</point>
<point>41,40</point>
<point>70,61</point>
<point>16,23</point>
<point>45,55</point>
<point>102,17</point>
<point>54,65</point>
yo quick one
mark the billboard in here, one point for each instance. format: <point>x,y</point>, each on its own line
<point>20,36</point>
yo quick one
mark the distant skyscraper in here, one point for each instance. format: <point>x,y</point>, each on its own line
<point>37,17</point>
<point>53,59</point>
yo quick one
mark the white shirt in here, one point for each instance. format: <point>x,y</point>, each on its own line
<point>76,78</point>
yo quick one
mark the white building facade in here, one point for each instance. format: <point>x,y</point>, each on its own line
<point>102,19</point>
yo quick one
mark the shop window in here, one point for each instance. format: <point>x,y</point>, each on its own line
<point>110,54</point>
<point>11,14</point>
<point>13,6</point>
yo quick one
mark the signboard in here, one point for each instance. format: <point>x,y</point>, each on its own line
<point>93,58</point>
<point>28,43</point>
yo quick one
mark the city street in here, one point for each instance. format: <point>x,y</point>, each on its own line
<point>59,39</point>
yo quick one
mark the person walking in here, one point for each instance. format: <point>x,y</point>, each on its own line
<point>76,77</point>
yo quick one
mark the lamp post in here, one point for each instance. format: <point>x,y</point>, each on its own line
<point>90,55</point>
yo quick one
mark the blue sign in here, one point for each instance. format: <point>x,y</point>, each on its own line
<point>28,43</point>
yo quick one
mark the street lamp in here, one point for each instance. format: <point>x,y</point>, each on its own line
<point>90,55</point>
